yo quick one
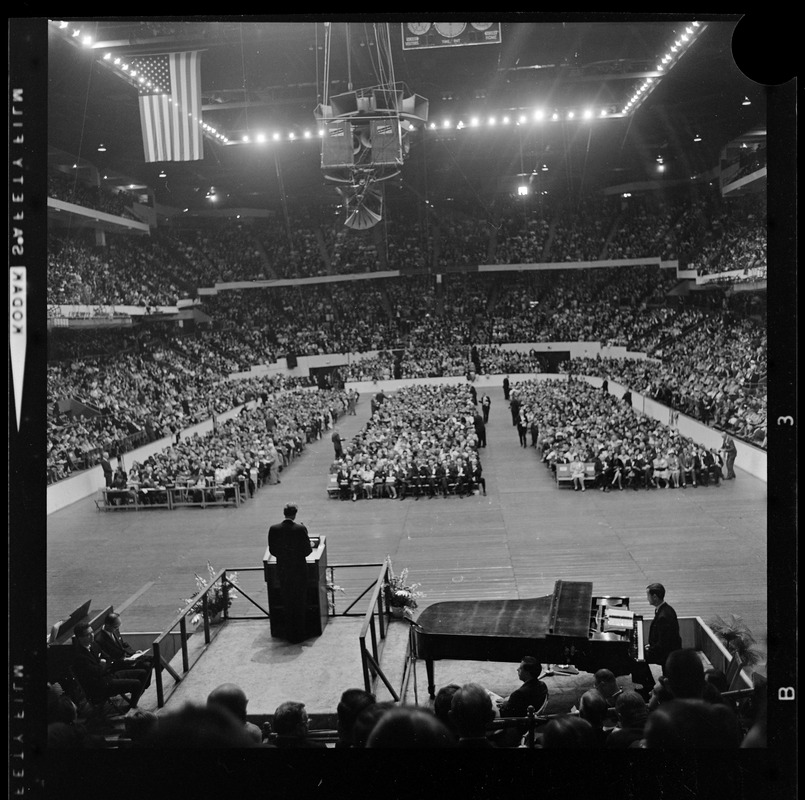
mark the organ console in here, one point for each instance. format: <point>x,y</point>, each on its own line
<point>570,626</point>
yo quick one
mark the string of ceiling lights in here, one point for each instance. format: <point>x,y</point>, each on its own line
<point>514,119</point>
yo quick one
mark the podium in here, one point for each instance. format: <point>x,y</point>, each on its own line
<point>316,613</point>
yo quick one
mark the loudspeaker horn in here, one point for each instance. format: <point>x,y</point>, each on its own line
<point>415,107</point>
<point>344,105</point>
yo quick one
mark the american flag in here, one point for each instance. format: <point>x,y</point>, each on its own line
<point>170,106</point>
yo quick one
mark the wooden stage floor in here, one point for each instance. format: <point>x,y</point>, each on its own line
<point>707,545</point>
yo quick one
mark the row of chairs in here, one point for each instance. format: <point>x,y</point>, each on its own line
<point>367,491</point>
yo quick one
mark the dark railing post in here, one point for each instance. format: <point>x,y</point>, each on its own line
<point>373,631</point>
<point>206,615</point>
<point>183,644</point>
<point>532,726</point>
<point>367,684</point>
<point>225,593</point>
<point>158,665</point>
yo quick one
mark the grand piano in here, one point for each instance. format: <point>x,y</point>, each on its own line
<point>570,626</point>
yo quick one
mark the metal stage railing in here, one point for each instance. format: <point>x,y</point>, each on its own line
<point>374,626</point>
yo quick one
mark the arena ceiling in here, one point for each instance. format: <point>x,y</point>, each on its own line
<point>271,75</point>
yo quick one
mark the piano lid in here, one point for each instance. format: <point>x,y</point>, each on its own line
<point>566,612</point>
<point>570,608</point>
<point>507,618</point>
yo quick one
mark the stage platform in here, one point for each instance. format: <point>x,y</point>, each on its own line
<point>318,670</point>
<point>272,671</point>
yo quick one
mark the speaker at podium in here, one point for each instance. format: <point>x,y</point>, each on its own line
<point>316,611</point>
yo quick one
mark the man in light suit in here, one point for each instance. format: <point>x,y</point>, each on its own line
<point>289,543</point>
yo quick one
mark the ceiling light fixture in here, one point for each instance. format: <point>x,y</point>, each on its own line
<point>746,101</point>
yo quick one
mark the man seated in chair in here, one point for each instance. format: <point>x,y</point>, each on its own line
<point>96,675</point>
<point>533,692</point>
<point>119,652</point>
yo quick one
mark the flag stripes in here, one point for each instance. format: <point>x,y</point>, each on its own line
<point>170,108</point>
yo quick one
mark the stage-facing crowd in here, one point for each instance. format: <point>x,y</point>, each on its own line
<point>689,708</point>
<point>114,389</point>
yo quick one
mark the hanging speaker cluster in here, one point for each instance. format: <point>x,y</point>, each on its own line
<point>375,101</point>
<point>365,141</point>
<point>364,204</point>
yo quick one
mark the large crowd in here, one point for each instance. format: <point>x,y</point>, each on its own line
<point>293,240</point>
<point>578,423</point>
<point>708,351</point>
<point>248,450</point>
<point>420,441</point>
<point>690,708</point>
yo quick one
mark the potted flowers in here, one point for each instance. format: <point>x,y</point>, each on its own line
<point>738,638</point>
<point>218,600</point>
<point>401,595</point>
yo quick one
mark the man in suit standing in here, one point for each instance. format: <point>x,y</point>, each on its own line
<point>730,451</point>
<point>337,446</point>
<point>663,639</point>
<point>106,466</point>
<point>480,429</point>
<point>486,405</point>
<point>514,407</point>
<point>506,388</point>
<point>289,543</point>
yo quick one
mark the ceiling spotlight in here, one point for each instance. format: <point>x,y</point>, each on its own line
<point>746,101</point>
<point>101,148</point>
<point>697,138</point>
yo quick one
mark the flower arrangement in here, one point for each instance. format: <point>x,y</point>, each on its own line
<point>217,601</point>
<point>332,588</point>
<point>738,638</point>
<point>400,593</point>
